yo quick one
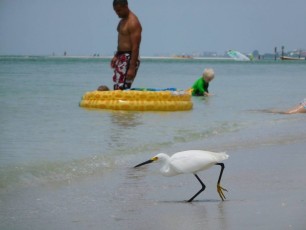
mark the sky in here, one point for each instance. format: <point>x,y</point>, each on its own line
<point>79,27</point>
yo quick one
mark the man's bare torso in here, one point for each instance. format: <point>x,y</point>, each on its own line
<point>124,28</point>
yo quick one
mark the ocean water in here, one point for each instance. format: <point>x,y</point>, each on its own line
<point>47,138</point>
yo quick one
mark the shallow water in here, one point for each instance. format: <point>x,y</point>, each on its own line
<point>48,141</point>
<point>45,135</point>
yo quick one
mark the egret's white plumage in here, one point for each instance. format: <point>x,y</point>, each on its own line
<point>191,161</point>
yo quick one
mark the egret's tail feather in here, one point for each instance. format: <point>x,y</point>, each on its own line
<point>221,156</point>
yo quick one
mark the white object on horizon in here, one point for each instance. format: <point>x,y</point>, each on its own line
<point>237,55</point>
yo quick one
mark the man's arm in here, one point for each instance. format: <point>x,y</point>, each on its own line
<point>135,38</point>
<point>114,59</point>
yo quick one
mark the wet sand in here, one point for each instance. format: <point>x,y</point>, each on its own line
<point>266,190</point>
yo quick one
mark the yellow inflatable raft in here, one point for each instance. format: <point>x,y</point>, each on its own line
<point>135,100</point>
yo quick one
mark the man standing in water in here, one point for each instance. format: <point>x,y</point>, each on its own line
<point>125,61</point>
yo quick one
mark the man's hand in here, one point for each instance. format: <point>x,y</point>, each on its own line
<point>113,62</point>
<point>130,75</point>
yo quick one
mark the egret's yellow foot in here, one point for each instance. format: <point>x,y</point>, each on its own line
<point>220,191</point>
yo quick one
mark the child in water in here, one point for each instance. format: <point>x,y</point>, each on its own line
<point>200,87</point>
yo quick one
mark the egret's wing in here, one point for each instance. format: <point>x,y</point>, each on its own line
<point>192,161</point>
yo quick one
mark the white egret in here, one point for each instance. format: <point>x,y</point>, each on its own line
<point>191,161</point>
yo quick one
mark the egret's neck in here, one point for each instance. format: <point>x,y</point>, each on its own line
<point>166,169</point>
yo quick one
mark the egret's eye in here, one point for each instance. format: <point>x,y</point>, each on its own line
<point>154,159</point>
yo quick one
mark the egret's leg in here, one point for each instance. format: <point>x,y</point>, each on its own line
<point>201,190</point>
<point>219,188</point>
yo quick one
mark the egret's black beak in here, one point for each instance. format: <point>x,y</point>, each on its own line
<point>146,162</point>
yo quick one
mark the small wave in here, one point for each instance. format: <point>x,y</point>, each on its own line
<point>183,136</point>
<point>48,172</point>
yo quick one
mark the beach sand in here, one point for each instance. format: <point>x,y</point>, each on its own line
<point>266,190</point>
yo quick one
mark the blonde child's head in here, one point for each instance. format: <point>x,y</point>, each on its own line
<point>208,74</point>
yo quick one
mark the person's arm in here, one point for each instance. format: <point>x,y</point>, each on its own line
<point>135,37</point>
<point>205,87</point>
<point>113,61</point>
<point>297,109</point>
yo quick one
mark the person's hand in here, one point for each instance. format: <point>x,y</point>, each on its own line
<point>113,62</point>
<point>130,75</point>
<point>208,94</point>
